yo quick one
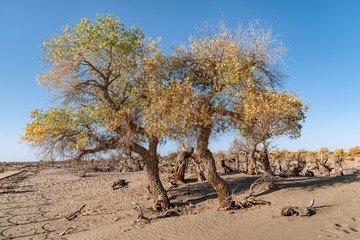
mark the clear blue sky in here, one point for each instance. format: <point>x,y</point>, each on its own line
<point>322,62</point>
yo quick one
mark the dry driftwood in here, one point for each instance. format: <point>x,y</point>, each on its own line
<point>250,200</point>
<point>67,231</point>
<point>75,214</point>
<point>299,211</point>
<point>119,184</point>
<point>141,219</point>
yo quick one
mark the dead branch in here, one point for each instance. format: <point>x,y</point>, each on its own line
<point>141,218</point>
<point>261,184</point>
<point>75,214</point>
<point>67,231</point>
<point>119,184</point>
<point>169,213</point>
<point>250,200</point>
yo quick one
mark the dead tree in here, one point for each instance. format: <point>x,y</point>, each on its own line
<point>181,163</point>
<point>338,165</point>
<point>322,166</point>
<point>227,169</point>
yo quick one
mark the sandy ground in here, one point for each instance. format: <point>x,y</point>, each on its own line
<point>35,208</point>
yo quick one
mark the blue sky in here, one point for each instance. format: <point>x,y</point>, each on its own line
<point>322,62</point>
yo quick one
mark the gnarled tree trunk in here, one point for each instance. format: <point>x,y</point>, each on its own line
<point>181,163</point>
<point>338,165</point>
<point>264,160</point>
<point>206,157</point>
<point>252,161</point>
<point>156,189</point>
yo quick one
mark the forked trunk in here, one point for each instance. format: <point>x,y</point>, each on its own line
<point>206,157</point>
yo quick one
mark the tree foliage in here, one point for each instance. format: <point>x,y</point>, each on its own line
<point>116,86</point>
<point>117,90</point>
<point>269,114</point>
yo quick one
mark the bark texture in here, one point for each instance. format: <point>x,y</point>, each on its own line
<point>251,162</point>
<point>156,188</point>
<point>207,159</point>
<point>181,163</point>
<point>265,162</point>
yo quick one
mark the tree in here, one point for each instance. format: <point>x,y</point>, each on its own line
<point>354,151</point>
<point>269,114</point>
<point>116,92</point>
<point>339,158</point>
<point>220,65</point>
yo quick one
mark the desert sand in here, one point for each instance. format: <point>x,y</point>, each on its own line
<point>34,208</point>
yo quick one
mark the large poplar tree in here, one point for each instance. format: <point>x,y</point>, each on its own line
<point>115,90</point>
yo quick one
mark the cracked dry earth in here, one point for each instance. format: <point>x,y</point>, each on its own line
<point>34,208</point>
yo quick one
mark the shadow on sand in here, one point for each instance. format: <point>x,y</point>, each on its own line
<point>196,192</point>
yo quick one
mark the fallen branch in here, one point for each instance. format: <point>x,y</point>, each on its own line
<point>260,182</point>
<point>75,214</point>
<point>250,200</point>
<point>141,218</point>
<point>67,231</point>
<point>119,184</point>
<point>169,213</point>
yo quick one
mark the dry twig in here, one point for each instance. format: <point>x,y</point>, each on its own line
<point>250,200</point>
<point>141,218</point>
<point>75,214</point>
<point>67,231</point>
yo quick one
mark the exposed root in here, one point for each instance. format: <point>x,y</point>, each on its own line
<point>141,219</point>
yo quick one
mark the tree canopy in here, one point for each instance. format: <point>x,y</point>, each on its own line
<point>117,90</point>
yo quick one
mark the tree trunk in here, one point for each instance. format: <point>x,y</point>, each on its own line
<point>211,175</point>
<point>237,163</point>
<point>180,166</point>
<point>251,161</point>
<point>156,189</point>
<point>199,170</point>
<point>338,165</point>
<point>264,160</point>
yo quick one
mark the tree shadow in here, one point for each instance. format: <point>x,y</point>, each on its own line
<point>310,183</point>
<point>197,192</point>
